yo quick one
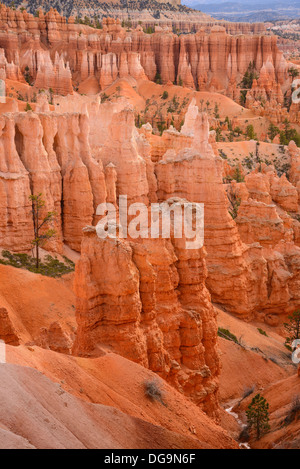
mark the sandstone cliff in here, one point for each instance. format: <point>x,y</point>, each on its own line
<point>59,54</point>
<point>152,307</point>
<point>251,263</point>
<point>48,154</point>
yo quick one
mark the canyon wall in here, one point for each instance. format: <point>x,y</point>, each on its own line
<point>168,13</point>
<point>150,299</point>
<point>151,306</point>
<point>80,160</point>
<point>60,55</point>
<point>47,153</point>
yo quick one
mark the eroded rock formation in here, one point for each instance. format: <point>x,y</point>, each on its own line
<point>59,54</point>
<point>152,307</point>
<point>91,164</point>
<point>152,304</point>
<point>149,299</point>
<point>47,153</point>
<point>7,331</point>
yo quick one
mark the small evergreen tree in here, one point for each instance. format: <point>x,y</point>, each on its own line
<point>27,75</point>
<point>249,76</point>
<point>218,134</point>
<point>39,222</point>
<point>157,78</point>
<point>258,415</point>
<point>235,202</point>
<point>238,131</point>
<point>289,134</point>
<point>229,124</point>
<point>293,328</point>
<point>273,131</point>
<point>161,124</point>
<point>149,30</point>
<point>293,72</point>
<point>250,132</point>
<point>216,111</point>
<point>247,82</point>
<point>243,97</point>
<point>238,176</point>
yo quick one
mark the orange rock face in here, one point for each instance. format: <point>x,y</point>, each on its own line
<point>149,300</point>
<point>7,332</point>
<point>152,307</point>
<point>55,339</point>
<point>41,154</point>
<point>215,58</point>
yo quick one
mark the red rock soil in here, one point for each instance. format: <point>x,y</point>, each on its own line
<point>108,392</point>
<point>258,362</point>
<point>107,397</point>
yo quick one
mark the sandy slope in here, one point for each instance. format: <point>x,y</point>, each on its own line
<point>34,301</point>
<point>283,434</point>
<point>259,361</point>
<point>114,381</point>
<point>144,94</point>
<point>40,414</point>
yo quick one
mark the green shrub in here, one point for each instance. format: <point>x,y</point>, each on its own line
<point>51,267</point>
<point>226,334</point>
<point>262,332</point>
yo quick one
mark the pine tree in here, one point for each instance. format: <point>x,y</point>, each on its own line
<point>273,131</point>
<point>258,415</point>
<point>234,201</point>
<point>249,77</point>
<point>216,112</point>
<point>250,132</point>
<point>40,222</point>
<point>157,78</point>
<point>293,72</point>
<point>293,328</point>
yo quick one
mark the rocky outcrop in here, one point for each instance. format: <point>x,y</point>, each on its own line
<point>47,153</point>
<point>7,332</point>
<point>54,338</point>
<point>147,298</point>
<point>295,166</point>
<point>16,227</point>
<point>152,307</point>
<point>56,76</point>
<point>238,266</point>
<point>96,156</point>
<point>259,222</point>
<point>11,70</point>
